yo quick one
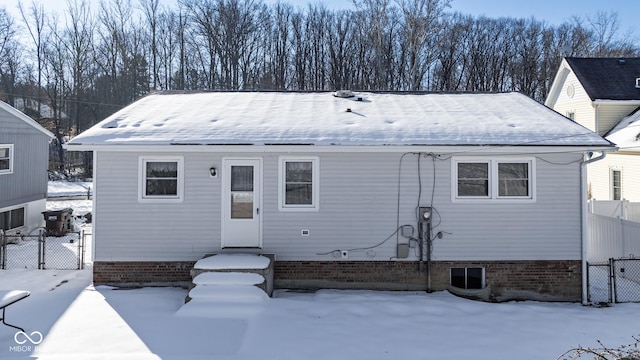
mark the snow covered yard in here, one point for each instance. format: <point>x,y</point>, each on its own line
<point>78,321</point>
<point>82,322</point>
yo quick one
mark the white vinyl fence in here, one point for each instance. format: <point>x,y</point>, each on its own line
<point>623,209</point>
<point>611,237</point>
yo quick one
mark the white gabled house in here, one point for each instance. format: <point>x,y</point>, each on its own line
<point>345,192</point>
<point>603,94</point>
<point>24,160</point>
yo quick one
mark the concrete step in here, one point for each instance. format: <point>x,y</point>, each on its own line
<point>232,277</point>
<point>228,278</point>
<point>228,293</point>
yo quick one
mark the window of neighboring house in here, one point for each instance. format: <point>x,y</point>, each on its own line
<point>161,178</point>
<point>6,159</point>
<point>571,115</point>
<point>616,184</point>
<point>493,179</point>
<point>468,278</point>
<point>298,183</point>
<point>12,219</point>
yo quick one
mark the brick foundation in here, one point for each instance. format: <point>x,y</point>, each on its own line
<point>137,273</point>
<point>509,280</point>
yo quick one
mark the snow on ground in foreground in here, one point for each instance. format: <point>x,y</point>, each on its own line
<point>79,321</point>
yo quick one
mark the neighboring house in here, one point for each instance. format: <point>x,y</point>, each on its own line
<point>24,160</point>
<point>603,94</point>
<point>334,188</point>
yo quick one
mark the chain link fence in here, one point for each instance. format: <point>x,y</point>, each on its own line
<point>67,252</point>
<point>616,281</point>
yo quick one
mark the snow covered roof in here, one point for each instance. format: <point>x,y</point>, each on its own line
<point>319,118</point>
<point>626,135</point>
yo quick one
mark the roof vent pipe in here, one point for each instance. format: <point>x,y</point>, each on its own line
<point>622,61</point>
<point>638,83</point>
<point>343,94</point>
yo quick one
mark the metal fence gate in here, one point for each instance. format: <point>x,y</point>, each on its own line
<point>616,281</point>
<point>43,252</point>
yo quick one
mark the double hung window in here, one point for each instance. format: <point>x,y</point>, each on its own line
<point>493,179</point>
<point>6,159</point>
<point>161,178</point>
<point>298,183</point>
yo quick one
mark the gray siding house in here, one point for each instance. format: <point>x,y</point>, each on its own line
<point>24,160</point>
<point>376,190</point>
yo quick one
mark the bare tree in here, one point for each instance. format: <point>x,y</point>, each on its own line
<point>10,53</point>
<point>422,22</point>
<point>150,9</point>
<point>34,19</point>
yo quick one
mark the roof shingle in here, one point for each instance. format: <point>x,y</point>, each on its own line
<point>608,78</point>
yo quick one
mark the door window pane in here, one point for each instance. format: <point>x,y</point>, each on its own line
<point>242,192</point>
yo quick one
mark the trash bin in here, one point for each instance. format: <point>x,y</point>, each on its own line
<point>57,221</point>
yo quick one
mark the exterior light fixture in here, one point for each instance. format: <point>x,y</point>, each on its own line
<point>213,171</point>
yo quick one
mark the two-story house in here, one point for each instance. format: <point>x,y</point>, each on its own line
<point>24,159</point>
<point>603,95</point>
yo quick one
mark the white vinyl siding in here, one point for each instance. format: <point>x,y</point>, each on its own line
<point>161,178</point>
<point>580,105</point>
<point>6,159</point>
<point>599,175</point>
<point>362,195</point>
<point>298,187</point>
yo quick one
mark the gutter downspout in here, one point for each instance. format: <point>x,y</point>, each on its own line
<point>584,220</point>
<point>597,125</point>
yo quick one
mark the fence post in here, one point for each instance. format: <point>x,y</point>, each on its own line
<point>612,281</point>
<point>80,248</point>
<point>623,209</point>
<point>3,250</point>
<point>41,250</point>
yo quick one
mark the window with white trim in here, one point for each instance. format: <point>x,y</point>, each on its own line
<point>161,178</point>
<point>12,219</point>
<point>6,158</point>
<point>298,183</point>
<point>493,179</point>
<point>468,278</point>
<point>616,184</point>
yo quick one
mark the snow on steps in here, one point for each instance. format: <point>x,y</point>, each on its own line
<point>228,278</point>
<point>233,278</point>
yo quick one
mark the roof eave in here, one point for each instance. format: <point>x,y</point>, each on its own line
<point>308,148</point>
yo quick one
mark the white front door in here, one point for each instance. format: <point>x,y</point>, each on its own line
<point>241,199</point>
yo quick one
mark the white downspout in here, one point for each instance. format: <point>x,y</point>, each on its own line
<point>584,220</point>
<point>597,125</point>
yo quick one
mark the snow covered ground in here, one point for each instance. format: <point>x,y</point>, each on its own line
<point>78,321</point>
